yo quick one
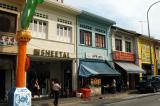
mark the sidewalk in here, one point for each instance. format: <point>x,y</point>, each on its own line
<point>74,100</point>
<point>109,98</point>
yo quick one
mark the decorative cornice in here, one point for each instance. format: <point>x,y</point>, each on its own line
<point>62,7</point>
<point>97,18</point>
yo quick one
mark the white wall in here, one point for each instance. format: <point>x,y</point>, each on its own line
<point>51,43</point>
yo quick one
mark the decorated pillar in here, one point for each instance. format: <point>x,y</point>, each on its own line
<point>21,96</point>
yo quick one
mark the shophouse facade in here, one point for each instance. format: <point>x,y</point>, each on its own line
<point>124,54</point>
<point>144,59</point>
<point>9,19</point>
<point>157,53</point>
<point>94,52</point>
<point>51,51</point>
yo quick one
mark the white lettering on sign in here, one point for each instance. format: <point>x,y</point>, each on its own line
<point>95,56</point>
<point>7,40</point>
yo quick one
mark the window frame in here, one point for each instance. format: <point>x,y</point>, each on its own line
<point>15,16</point>
<point>86,36</point>
<point>64,31</point>
<point>127,48</point>
<point>100,40</point>
<point>120,49</point>
<point>44,28</point>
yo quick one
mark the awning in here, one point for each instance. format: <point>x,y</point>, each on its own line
<point>94,68</point>
<point>130,67</point>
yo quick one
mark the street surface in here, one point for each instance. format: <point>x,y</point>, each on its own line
<point>150,100</point>
<point>119,99</point>
<point>146,101</point>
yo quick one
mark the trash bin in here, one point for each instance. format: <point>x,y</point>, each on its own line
<point>86,92</point>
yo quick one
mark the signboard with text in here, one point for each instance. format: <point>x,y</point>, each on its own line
<point>50,53</point>
<point>7,40</point>
<point>145,53</point>
<point>124,56</point>
<point>95,56</point>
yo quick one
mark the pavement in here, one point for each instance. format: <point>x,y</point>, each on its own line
<point>109,98</point>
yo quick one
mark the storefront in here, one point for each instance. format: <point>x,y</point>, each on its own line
<point>96,74</point>
<point>144,57</point>
<point>7,74</point>
<point>9,19</point>
<point>125,56</point>
<point>94,52</point>
<point>130,72</point>
<point>47,65</point>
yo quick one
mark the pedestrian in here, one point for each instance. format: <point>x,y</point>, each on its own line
<point>36,88</point>
<point>113,86</point>
<point>52,89</point>
<point>56,88</point>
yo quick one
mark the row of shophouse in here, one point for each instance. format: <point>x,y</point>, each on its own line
<point>76,47</point>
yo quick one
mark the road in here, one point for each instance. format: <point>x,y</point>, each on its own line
<point>153,100</point>
<point>145,101</point>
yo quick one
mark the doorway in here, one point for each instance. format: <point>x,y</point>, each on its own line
<point>2,85</point>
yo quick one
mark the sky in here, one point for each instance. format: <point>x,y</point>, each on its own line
<point>128,14</point>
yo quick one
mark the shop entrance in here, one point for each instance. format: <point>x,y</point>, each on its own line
<point>2,85</point>
<point>47,70</point>
<point>147,68</point>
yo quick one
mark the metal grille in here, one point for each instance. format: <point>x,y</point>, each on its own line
<point>41,15</point>
<point>9,7</point>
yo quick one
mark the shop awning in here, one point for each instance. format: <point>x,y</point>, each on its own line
<point>90,68</point>
<point>130,67</point>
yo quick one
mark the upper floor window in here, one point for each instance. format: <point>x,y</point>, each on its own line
<point>8,22</point>
<point>100,41</point>
<point>64,33</point>
<point>39,28</point>
<point>118,44</point>
<point>85,38</point>
<point>128,46</point>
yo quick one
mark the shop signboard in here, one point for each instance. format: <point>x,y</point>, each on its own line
<point>145,50</point>
<point>95,81</point>
<point>50,53</point>
<point>95,56</point>
<point>7,40</point>
<point>124,56</point>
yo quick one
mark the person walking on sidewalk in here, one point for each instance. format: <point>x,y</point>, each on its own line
<point>56,88</point>
<point>113,86</point>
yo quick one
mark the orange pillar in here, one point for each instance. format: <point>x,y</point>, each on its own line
<point>23,37</point>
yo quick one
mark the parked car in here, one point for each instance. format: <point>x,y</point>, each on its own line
<point>149,84</point>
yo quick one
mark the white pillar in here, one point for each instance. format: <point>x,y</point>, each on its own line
<point>74,75</point>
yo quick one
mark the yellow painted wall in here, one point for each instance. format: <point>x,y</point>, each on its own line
<point>144,53</point>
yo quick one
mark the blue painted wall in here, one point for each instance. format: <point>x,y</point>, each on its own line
<point>94,22</point>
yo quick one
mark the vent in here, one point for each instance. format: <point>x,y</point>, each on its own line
<point>9,7</point>
<point>64,21</point>
<point>100,30</point>
<point>41,15</point>
<point>85,27</point>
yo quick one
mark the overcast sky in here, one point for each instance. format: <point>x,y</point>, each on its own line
<point>128,14</point>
